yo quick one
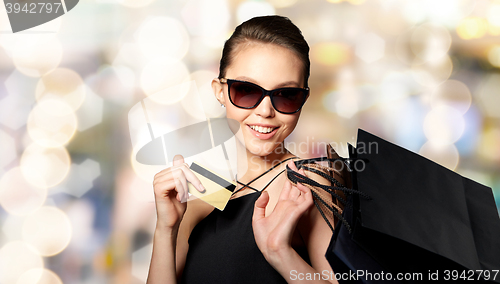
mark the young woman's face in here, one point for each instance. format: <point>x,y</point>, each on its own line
<point>269,66</point>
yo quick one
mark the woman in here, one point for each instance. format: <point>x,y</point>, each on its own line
<point>271,234</point>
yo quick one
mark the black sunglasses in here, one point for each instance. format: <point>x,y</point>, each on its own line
<point>249,95</point>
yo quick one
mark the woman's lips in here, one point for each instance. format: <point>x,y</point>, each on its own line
<point>263,136</point>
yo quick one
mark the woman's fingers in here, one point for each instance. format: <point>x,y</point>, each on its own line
<point>187,175</point>
<point>294,193</point>
<point>162,189</point>
<point>306,194</point>
<point>285,192</point>
<point>292,166</point>
<point>181,185</point>
<point>179,163</point>
<point>259,211</point>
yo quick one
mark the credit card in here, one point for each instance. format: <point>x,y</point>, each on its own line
<point>218,190</point>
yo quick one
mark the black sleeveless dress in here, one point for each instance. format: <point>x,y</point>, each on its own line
<point>222,248</point>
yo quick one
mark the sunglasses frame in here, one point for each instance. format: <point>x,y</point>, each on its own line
<point>265,93</point>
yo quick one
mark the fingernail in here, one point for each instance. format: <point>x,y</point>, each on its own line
<point>201,188</point>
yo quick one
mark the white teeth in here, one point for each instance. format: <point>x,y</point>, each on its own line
<point>261,129</point>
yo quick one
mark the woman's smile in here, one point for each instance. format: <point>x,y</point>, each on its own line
<point>262,131</point>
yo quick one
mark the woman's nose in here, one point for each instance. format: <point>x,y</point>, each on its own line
<point>265,108</point>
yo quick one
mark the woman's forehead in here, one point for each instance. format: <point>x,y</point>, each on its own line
<point>266,63</point>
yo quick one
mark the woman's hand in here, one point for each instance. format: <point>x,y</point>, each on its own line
<point>273,234</point>
<point>171,193</point>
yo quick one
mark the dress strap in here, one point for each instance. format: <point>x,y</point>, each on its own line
<point>248,184</point>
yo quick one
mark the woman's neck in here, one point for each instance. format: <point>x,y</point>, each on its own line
<point>251,166</point>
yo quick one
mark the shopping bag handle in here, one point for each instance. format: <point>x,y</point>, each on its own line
<point>319,201</point>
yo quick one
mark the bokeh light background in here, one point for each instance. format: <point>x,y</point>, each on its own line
<point>76,208</point>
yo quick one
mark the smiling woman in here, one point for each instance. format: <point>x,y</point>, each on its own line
<point>270,228</point>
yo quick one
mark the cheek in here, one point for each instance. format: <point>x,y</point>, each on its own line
<point>235,113</point>
<point>291,122</point>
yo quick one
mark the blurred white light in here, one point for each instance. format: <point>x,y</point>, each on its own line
<point>130,55</point>
<point>494,14</point>
<point>51,123</point>
<point>370,47</point>
<point>443,125</point>
<point>12,42</point>
<point>344,103</point>
<point>16,258</point>
<point>250,9</point>
<point>17,196</point>
<point>39,276</point>
<point>452,93</point>
<point>12,227</point>
<point>349,99</point>
<point>448,12</point>
<point>8,150</point>
<point>38,59</point>
<point>48,229</point>
<point>206,18</point>
<point>162,36</point>
<point>430,42</point>
<point>432,73</point>
<point>64,85</point>
<point>164,78</point>
<point>45,167</point>
<point>414,11</point>
<point>445,155</point>
<point>91,111</point>
<point>347,105</point>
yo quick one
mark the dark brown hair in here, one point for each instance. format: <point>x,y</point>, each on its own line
<point>267,29</point>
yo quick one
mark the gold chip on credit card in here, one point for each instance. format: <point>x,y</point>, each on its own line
<point>218,190</point>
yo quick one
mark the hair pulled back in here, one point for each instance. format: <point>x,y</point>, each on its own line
<point>267,29</point>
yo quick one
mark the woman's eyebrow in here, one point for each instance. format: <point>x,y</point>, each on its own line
<point>280,85</point>
<point>288,84</point>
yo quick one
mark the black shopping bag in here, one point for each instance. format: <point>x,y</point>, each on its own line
<point>423,222</point>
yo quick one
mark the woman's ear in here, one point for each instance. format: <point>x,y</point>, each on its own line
<point>218,91</point>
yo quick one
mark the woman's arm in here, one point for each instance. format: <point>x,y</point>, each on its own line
<point>273,234</point>
<point>162,268</point>
<point>169,244</point>
<point>174,221</point>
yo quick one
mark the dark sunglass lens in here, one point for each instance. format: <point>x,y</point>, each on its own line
<point>244,94</point>
<point>289,100</point>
